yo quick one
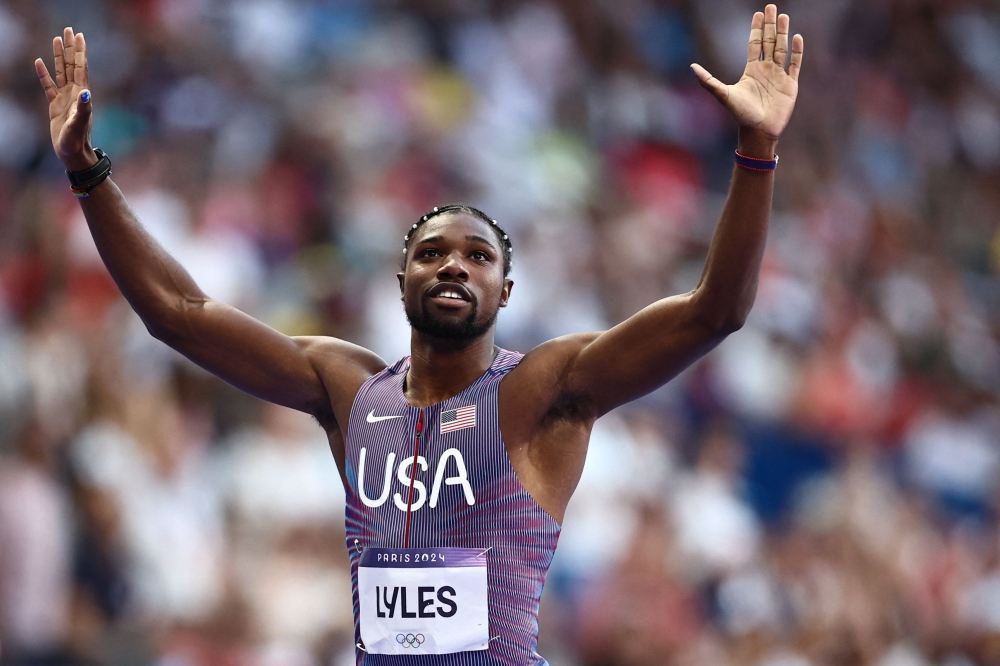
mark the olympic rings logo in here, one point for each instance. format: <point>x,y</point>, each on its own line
<point>410,640</point>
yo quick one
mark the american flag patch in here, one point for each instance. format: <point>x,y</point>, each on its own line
<point>457,419</point>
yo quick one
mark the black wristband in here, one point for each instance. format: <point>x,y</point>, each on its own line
<point>91,177</point>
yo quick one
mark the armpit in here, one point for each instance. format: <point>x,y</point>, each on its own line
<point>572,407</point>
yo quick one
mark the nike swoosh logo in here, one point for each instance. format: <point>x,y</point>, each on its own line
<point>375,419</point>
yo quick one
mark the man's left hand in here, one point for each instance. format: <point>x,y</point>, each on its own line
<point>763,99</point>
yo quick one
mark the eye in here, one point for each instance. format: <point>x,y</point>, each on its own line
<point>479,255</point>
<point>429,252</point>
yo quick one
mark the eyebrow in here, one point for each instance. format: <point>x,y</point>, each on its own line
<point>471,237</point>
<point>481,239</point>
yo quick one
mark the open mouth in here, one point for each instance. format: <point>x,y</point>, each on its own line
<point>449,294</point>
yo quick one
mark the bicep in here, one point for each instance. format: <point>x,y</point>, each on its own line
<point>641,354</point>
<point>254,357</point>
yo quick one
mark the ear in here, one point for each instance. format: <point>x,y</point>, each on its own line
<point>505,292</point>
<point>402,279</point>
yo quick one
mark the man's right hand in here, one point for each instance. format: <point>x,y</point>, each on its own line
<point>70,116</point>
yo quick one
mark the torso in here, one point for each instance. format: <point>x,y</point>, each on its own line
<point>469,496</point>
<point>543,430</point>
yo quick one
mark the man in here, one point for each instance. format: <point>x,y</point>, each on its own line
<point>460,459</point>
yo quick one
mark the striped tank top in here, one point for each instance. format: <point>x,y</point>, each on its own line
<point>467,497</point>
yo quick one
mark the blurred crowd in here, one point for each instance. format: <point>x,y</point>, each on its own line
<point>822,489</point>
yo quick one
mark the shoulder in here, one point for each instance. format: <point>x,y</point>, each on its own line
<point>323,349</point>
<point>537,386</point>
<point>552,359</point>
<point>343,368</point>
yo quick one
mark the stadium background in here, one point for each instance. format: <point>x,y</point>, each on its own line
<point>821,489</point>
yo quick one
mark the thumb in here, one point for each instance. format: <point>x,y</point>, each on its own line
<point>710,83</point>
<point>82,111</point>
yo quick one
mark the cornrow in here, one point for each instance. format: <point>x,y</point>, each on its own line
<point>502,235</point>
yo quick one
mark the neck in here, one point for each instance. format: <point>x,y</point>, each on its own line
<point>441,369</point>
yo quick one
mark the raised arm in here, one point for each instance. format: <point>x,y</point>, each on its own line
<point>650,348</point>
<point>307,374</point>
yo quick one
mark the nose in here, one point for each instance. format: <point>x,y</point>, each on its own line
<point>453,268</point>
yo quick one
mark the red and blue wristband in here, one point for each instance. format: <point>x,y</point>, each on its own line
<point>754,164</point>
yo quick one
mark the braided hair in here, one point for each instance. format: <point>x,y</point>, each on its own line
<point>502,235</point>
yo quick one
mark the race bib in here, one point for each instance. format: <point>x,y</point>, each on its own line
<point>423,600</point>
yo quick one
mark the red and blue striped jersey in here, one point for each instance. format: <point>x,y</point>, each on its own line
<point>465,495</point>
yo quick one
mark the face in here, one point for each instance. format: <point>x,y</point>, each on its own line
<point>453,285</point>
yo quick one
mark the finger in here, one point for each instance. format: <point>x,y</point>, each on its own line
<point>770,19</point>
<point>756,35</point>
<point>79,115</point>
<point>710,83</point>
<point>70,41</point>
<point>81,71</point>
<point>781,44</point>
<point>797,48</point>
<point>60,64</point>
<point>48,85</point>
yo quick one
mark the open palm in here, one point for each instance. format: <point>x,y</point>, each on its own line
<point>69,116</point>
<point>764,96</point>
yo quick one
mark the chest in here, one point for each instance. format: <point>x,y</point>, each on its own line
<point>405,458</point>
